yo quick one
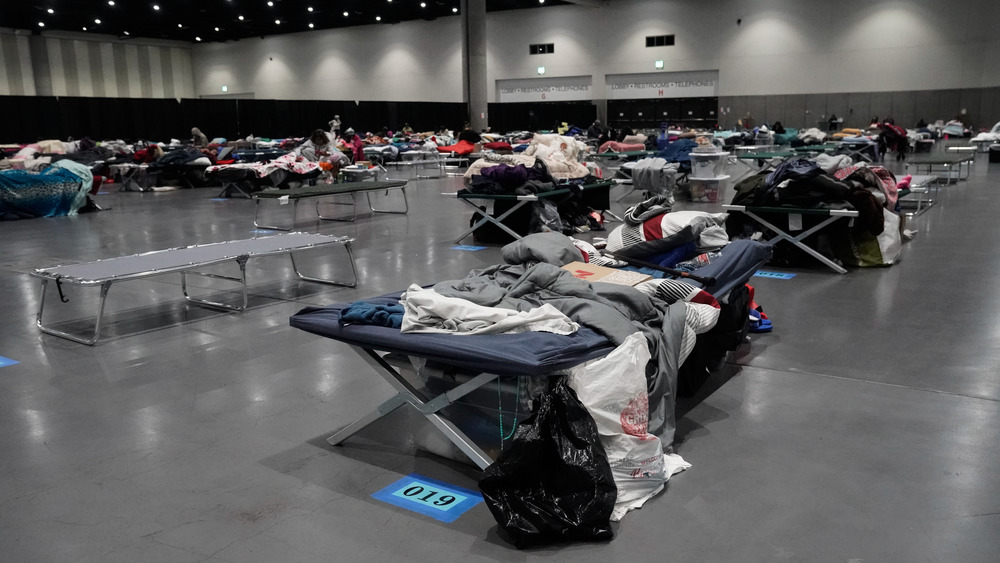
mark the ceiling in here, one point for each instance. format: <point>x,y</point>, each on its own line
<point>220,20</point>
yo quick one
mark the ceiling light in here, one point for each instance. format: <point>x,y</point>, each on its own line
<point>378,18</point>
<point>541,1</point>
<point>98,22</point>
<point>41,24</point>
<point>311,26</point>
<point>197,38</point>
<point>270,3</point>
<point>125,32</point>
<point>277,22</point>
<point>85,28</point>
<point>180,25</point>
<point>310,8</point>
<point>423,4</point>
<point>216,29</point>
<point>51,11</point>
<point>240,18</point>
<point>454,10</point>
<point>345,14</point>
<point>156,6</point>
<point>111,2</point>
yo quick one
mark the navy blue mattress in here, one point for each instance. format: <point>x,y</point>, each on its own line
<point>526,353</point>
<point>739,261</point>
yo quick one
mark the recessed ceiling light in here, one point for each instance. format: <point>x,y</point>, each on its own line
<point>98,22</point>
<point>311,26</point>
<point>345,14</point>
<point>85,28</point>
<point>156,6</point>
<point>310,8</point>
<point>216,29</point>
<point>111,2</point>
<point>277,22</point>
<point>378,18</point>
<point>197,38</point>
<point>270,3</point>
<point>125,32</point>
<point>180,25</point>
<point>241,18</point>
<point>455,10</point>
<point>51,11</point>
<point>541,1</point>
<point>423,4</point>
<point>41,24</point>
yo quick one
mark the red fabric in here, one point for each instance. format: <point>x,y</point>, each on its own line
<point>498,146</point>
<point>753,304</point>
<point>463,148</point>
<point>652,229</point>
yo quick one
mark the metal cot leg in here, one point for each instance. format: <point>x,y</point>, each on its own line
<point>61,334</point>
<point>354,270</point>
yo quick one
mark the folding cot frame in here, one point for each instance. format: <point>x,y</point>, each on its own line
<point>522,200</point>
<point>765,161</point>
<point>920,185</point>
<point>406,393</point>
<point>947,162</point>
<point>619,158</point>
<point>783,234</point>
<point>184,260</point>
<point>331,190</point>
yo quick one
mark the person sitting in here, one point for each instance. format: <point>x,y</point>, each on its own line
<point>335,126</point>
<point>595,130</point>
<point>469,135</point>
<point>319,146</point>
<point>354,142</point>
<point>407,130</point>
<point>198,138</point>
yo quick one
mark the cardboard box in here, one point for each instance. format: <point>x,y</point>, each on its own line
<point>593,272</point>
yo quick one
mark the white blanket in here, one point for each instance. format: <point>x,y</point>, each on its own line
<point>425,310</point>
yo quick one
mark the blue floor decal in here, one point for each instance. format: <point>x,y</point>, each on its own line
<point>7,362</point>
<point>774,275</point>
<point>429,497</point>
<point>467,247</point>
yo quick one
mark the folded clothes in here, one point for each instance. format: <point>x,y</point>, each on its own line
<point>362,313</point>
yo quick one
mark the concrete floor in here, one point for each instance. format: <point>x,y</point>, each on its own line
<point>866,427</point>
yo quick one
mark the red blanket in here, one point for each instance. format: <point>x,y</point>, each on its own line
<point>462,147</point>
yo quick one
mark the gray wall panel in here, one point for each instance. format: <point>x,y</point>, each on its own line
<point>121,70</point>
<point>881,104</point>
<point>951,104</point>
<point>815,111</point>
<point>145,78</point>
<point>12,64</point>
<point>904,108</point>
<point>859,111</point>
<point>96,68</point>
<point>795,111</point>
<point>167,70</point>
<point>70,74</point>
<point>840,105</point>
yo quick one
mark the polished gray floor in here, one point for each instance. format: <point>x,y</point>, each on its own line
<point>866,427</point>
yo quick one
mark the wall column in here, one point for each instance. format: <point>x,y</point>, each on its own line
<point>474,79</point>
<point>40,68</point>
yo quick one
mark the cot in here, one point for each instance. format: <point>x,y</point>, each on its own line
<point>596,195</point>
<point>184,260</point>
<point>329,190</point>
<point>795,219</point>
<point>949,165</point>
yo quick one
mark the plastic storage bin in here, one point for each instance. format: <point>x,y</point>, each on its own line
<point>708,189</point>
<point>708,164</point>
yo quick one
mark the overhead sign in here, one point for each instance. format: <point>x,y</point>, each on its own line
<point>685,84</point>
<point>557,89</point>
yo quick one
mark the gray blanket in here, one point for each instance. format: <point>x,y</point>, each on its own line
<point>615,311</point>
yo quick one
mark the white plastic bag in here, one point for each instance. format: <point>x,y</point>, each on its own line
<point>613,389</point>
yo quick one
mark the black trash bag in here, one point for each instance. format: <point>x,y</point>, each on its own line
<point>553,482</point>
